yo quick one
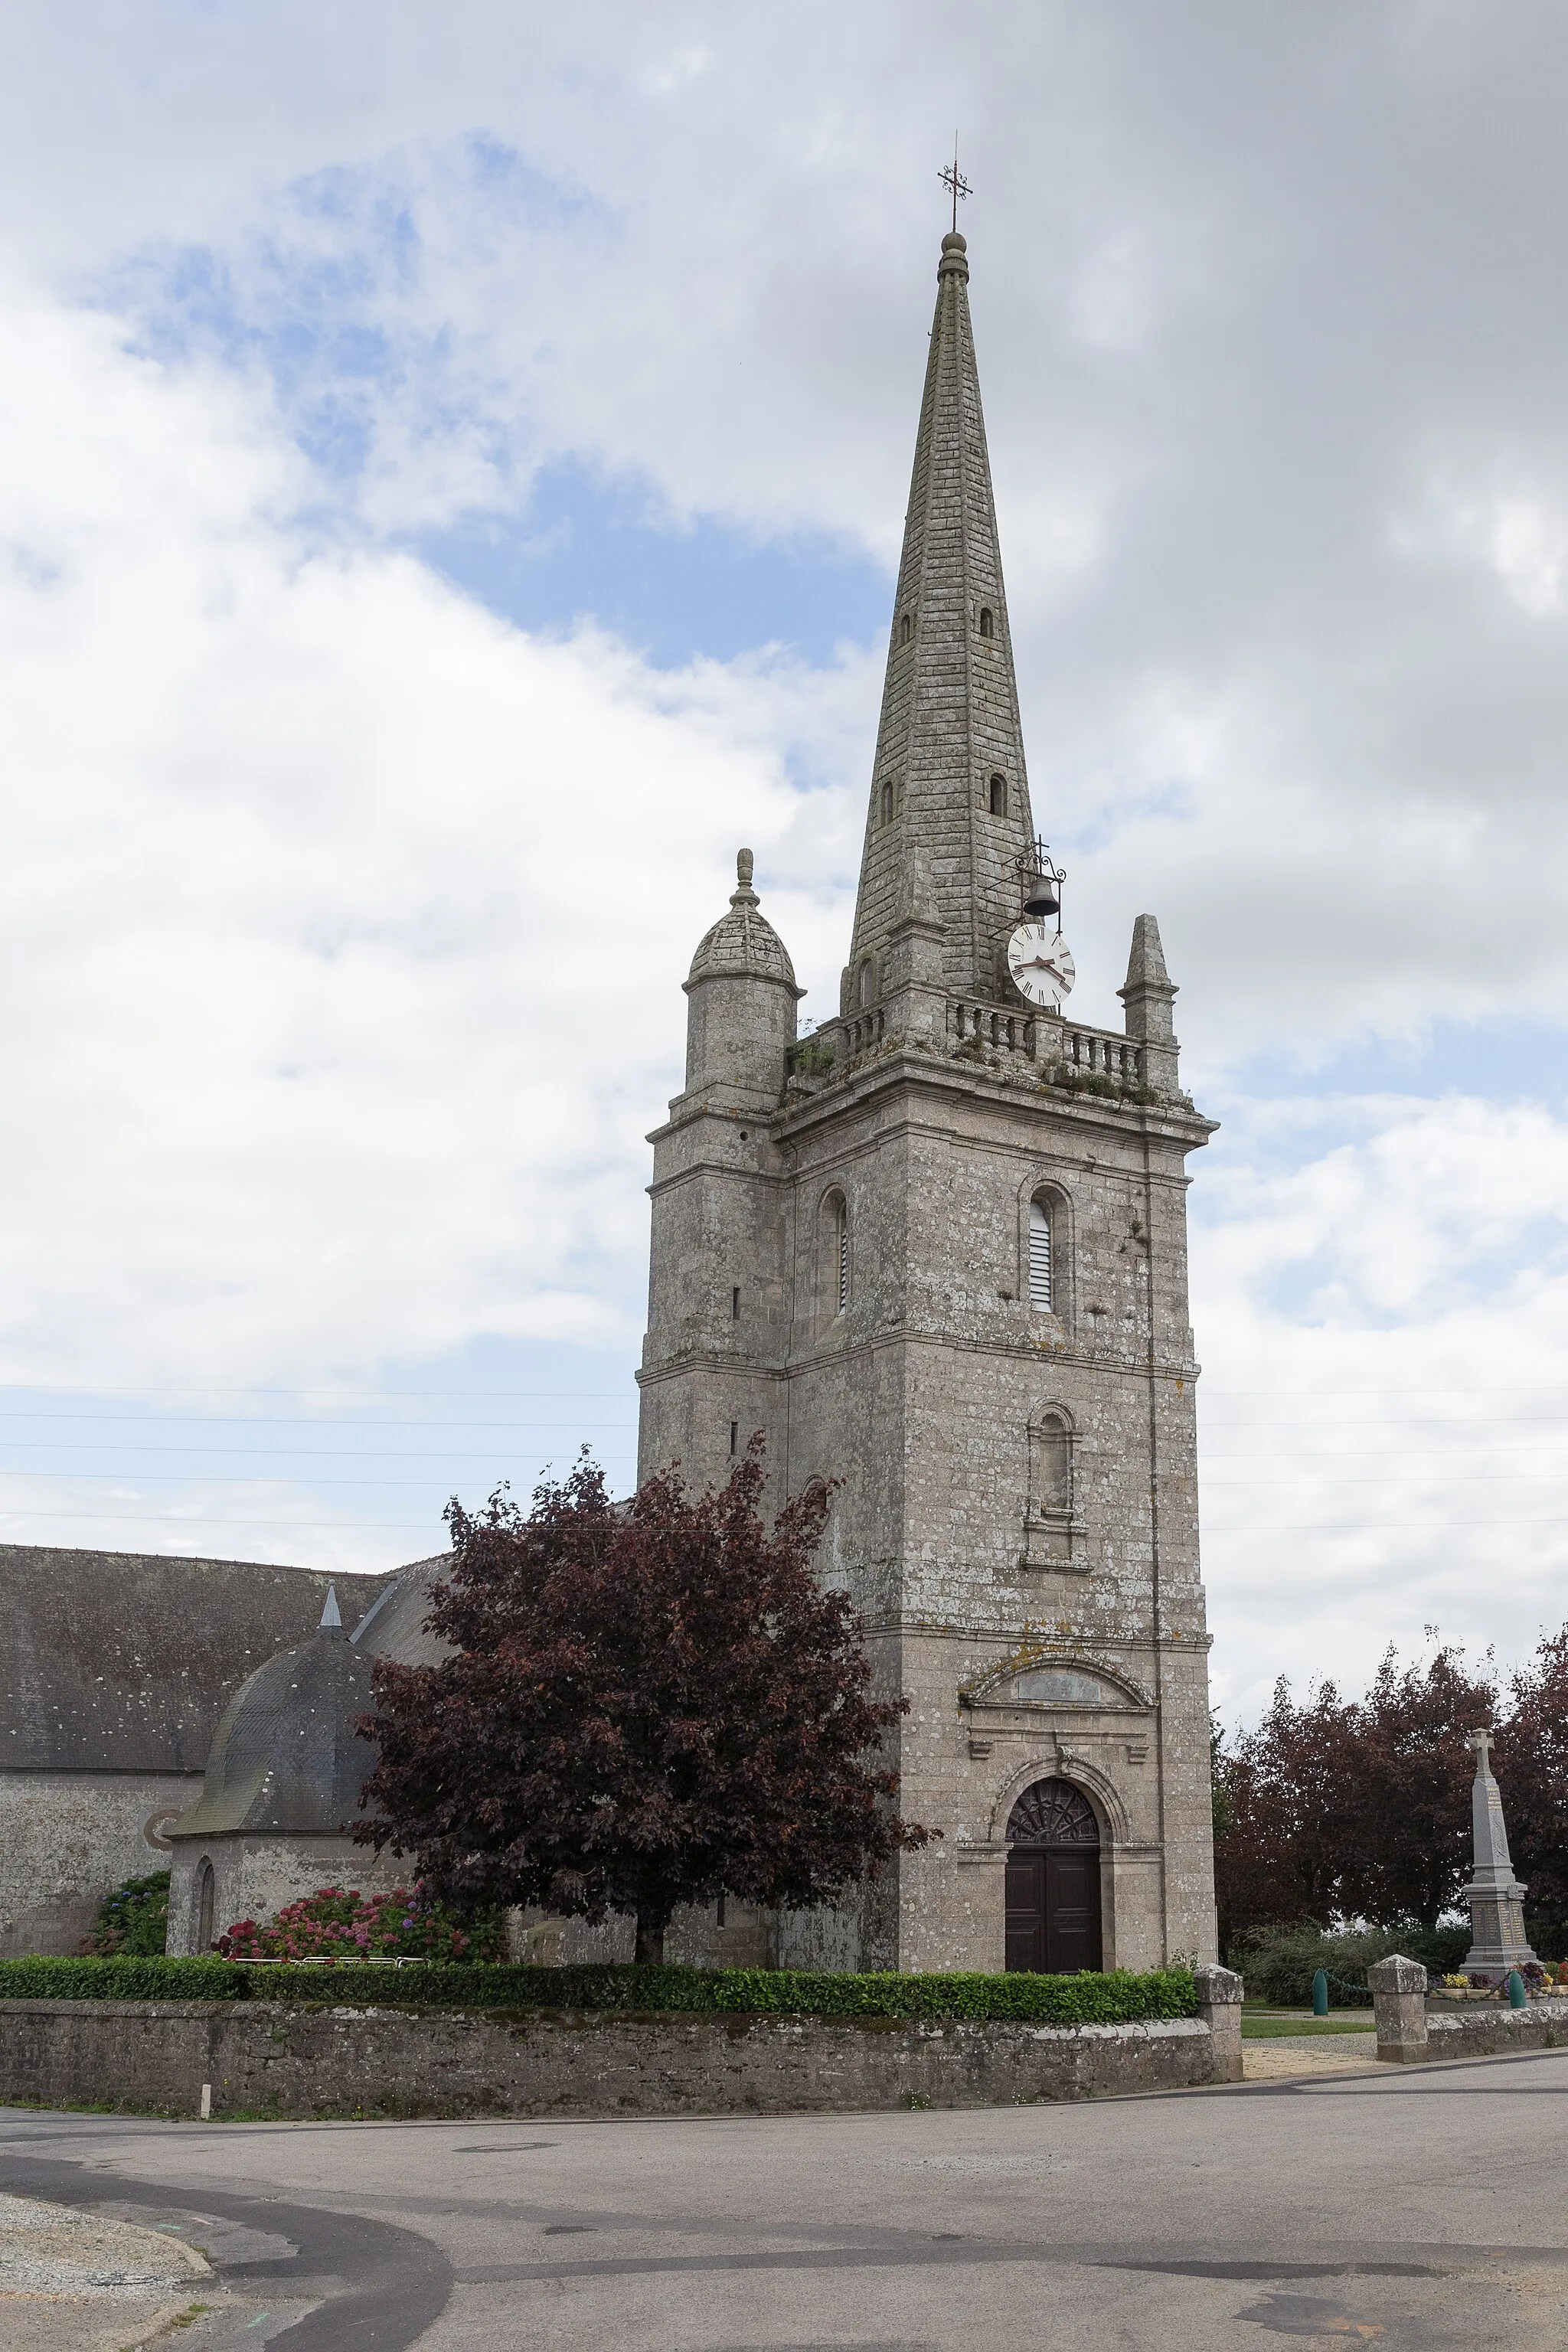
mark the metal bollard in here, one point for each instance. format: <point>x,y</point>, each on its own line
<point>1320,1993</point>
<point>1516,1996</point>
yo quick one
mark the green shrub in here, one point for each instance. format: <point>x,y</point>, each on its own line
<point>1088,2000</point>
<point>135,1919</point>
<point>1279,1963</point>
<point>123,1978</point>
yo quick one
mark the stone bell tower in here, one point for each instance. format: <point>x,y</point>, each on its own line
<point>938,1251</point>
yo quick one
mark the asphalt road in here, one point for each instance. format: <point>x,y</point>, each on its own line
<point>1423,2208</point>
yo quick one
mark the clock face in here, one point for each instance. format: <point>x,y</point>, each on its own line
<point>1040,963</point>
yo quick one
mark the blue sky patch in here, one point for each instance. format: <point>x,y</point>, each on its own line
<point>596,547</point>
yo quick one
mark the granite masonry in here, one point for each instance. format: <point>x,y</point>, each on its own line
<point>114,1670</point>
<point>267,2057</point>
<point>937,1250</point>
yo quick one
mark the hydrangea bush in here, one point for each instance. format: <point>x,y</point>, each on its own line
<point>135,1919</point>
<point>338,1923</point>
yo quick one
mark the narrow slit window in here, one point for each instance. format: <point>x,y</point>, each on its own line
<point>998,795</point>
<point>986,627</point>
<point>843,1258</point>
<point>735,1305</point>
<point>1041,1271</point>
<point>734,1437</point>
<point>886,804</point>
<point>906,628</point>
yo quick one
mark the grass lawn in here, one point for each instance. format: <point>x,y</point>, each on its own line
<point>1272,2025</point>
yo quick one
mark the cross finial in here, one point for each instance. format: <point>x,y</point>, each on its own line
<point>1479,1743</point>
<point>952,179</point>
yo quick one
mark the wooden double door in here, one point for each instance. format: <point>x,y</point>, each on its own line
<point>1053,1909</point>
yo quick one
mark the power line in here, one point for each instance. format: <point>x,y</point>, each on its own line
<point>313,1455</point>
<point>306,1420</point>
<point>162,1519</point>
<point>243,1388</point>
<point>1375,1526</point>
<point>1407,1421</point>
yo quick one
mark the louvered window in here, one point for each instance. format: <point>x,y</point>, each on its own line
<point>843,1258</point>
<point>1040,1287</point>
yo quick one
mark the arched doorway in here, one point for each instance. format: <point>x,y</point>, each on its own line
<point>1053,1881</point>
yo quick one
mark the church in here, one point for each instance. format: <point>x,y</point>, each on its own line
<point>935,1250</point>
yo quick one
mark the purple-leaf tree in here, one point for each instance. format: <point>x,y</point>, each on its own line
<point>642,1707</point>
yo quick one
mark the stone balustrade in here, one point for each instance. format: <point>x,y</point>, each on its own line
<point>974,1026</point>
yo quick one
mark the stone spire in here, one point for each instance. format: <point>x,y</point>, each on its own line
<point>950,704</point>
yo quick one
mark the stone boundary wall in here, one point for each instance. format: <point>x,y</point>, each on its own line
<point>274,2059</point>
<point>1492,2033</point>
<point>1413,2030</point>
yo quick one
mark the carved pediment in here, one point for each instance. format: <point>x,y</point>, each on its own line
<point>1053,1674</point>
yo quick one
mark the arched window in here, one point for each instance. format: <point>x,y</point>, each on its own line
<point>998,795</point>
<point>832,1258</point>
<point>985,628</point>
<point>906,628</point>
<point>206,1905</point>
<point>867,982</point>
<point>1042,1270</point>
<point>886,804</point>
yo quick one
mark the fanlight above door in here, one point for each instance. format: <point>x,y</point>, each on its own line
<point>1053,1813</point>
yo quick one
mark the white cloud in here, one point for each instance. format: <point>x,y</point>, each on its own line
<point>1265,317</point>
<point>308,1054</point>
<point>343,925</point>
<point>1384,1331</point>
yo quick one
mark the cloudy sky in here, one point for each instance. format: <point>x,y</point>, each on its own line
<point>451,462</point>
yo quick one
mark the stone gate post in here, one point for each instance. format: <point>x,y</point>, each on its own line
<point>1219,2006</point>
<point>1399,2004</point>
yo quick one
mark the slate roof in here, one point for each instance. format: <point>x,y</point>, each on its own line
<point>394,1625</point>
<point>285,1757</point>
<point>125,1660</point>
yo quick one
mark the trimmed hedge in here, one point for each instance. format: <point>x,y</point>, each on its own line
<point>122,1978</point>
<point>1118,1998</point>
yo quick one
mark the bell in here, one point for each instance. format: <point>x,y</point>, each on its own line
<point>1040,895</point>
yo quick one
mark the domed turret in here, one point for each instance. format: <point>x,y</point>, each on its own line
<point>740,1022</point>
<point>285,1757</point>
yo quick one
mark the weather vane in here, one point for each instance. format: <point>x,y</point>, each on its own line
<point>952,179</point>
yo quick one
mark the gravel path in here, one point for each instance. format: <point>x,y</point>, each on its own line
<point>72,2281</point>
<point>1308,2054</point>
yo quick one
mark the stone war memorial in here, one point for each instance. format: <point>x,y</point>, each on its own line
<point>1496,1898</point>
<point>1501,2000</point>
